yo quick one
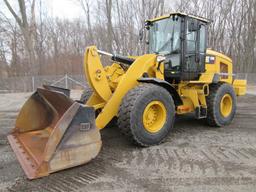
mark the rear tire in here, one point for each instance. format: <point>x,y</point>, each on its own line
<point>146,114</point>
<point>221,105</point>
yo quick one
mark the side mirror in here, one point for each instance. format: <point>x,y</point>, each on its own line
<point>193,26</point>
<point>141,34</point>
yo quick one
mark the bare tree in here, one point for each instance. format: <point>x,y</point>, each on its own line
<point>56,46</point>
<point>86,6</point>
<point>27,29</point>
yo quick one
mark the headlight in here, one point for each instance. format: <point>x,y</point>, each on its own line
<point>160,58</point>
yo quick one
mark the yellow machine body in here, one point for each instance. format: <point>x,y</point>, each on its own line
<point>114,82</point>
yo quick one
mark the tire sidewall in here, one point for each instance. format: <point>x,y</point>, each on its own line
<point>137,116</point>
<point>224,89</point>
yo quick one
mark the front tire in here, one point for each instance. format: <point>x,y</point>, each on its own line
<point>146,114</point>
<point>86,95</point>
<point>221,105</point>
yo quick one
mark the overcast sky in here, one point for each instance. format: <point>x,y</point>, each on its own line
<point>67,9</point>
<point>64,8</point>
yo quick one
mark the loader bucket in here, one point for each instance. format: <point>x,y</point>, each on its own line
<point>53,132</point>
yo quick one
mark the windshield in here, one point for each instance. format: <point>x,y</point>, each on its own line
<point>164,36</point>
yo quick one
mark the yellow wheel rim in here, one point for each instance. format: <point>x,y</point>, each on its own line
<point>154,116</point>
<point>226,104</point>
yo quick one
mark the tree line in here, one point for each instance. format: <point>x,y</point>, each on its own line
<point>34,43</point>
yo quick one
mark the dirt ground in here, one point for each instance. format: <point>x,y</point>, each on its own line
<point>195,157</point>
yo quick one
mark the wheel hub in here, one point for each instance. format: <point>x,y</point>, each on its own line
<point>154,116</point>
<point>226,104</point>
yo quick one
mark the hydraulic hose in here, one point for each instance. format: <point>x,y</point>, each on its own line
<point>118,58</point>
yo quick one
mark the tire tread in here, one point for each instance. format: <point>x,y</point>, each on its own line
<point>127,106</point>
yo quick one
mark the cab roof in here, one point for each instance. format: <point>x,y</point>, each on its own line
<point>181,14</point>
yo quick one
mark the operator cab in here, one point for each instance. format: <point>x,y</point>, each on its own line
<point>181,39</point>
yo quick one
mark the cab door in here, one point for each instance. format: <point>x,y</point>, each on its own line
<point>194,49</point>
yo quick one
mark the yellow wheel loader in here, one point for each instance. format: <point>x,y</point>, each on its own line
<point>178,75</point>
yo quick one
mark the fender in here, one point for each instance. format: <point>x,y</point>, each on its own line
<point>176,97</point>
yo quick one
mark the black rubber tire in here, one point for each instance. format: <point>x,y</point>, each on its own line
<point>131,113</point>
<point>86,95</point>
<point>214,117</point>
<point>84,98</point>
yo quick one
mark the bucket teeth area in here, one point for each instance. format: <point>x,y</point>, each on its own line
<point>28,163</point>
